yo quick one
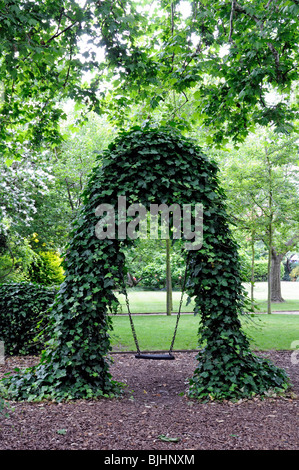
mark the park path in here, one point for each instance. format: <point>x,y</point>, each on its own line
<point>278,312</point>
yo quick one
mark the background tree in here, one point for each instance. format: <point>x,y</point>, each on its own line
<point>70,163</point>
<point>261,183</point>
<point>223,57</point>
<point>226,58</point>
<point>40,65</point>
<point>40,194</point>
<point>212,64</point>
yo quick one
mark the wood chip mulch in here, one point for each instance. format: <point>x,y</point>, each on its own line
<point>154,414</point>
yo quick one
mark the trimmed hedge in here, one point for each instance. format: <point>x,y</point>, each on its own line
<point>23,311</point>
<point>260,270</point>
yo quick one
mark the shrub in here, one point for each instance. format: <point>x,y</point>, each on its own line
<point>4,406</point>
<point>16,257</point>
<point>294,274</point>
<point>23,312</point>
<point>46,269</point>
<point>154,276</point>
<point>260,270</point>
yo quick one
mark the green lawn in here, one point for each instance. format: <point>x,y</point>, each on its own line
<point>287,306</point>
<point>155,301</point>
<point>155,331</point>
<point>289,290</point>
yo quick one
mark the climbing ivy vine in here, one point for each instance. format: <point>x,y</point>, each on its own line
<point>147,166</point>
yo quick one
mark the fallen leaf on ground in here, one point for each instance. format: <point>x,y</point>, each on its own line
<point>164,438</point>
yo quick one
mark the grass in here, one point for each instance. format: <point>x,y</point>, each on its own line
<point>155,301</point>
<point>155,332</point>
<point>273,331</point>
<point>287,306</point>
<point>290,293</point>
<point>290,290</point>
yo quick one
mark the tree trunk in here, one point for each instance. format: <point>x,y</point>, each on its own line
<point>252,269</point>
<point>276,259</point>
<point>270,230</point>
<point>269,283</point>
<point>168,280</point>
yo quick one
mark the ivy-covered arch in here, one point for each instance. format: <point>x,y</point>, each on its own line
<point>147,166</point>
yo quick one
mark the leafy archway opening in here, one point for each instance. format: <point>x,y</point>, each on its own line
<point>146,167</point>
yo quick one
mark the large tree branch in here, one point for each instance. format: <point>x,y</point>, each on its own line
<point>292,240</point>
<point>231,25</point>
<point>287,245</point>
<point>240,9</point>
<point>56,35</point>
<point>69,194</point>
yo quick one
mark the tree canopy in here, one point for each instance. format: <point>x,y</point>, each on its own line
<point>223,57</point>
<point>40,65</point>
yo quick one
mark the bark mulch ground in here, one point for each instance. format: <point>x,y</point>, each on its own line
<point>152,407</point>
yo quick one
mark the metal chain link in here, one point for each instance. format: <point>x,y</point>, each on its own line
<point>131,320</point>
<point>178,315</point>
<point>180,306</point>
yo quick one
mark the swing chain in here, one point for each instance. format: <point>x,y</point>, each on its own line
<point>131,321</point>
<point>178,315</point>
<point>180,306</point>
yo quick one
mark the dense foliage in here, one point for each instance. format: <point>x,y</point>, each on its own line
<point>40,66</point>
<point>24,311</point>
<point>260,270</point>
<point>47,269</point>
<point>147,166</point>
<point>226,66</point>
<point>22,261</point>
<point>146,264</point>
<point>223,57</point>
<point>294,274</point>
<point>221,67</point>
